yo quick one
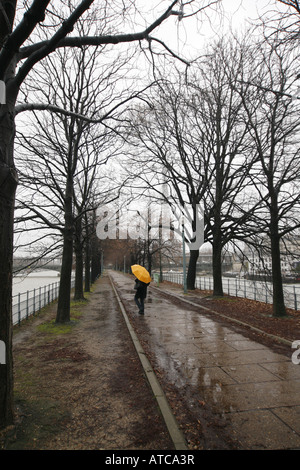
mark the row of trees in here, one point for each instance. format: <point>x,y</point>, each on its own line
<point>28,35</point>
<point>26,40</point>
<point>227,136</point>
<point>62,162</point>
<point>219,136</point>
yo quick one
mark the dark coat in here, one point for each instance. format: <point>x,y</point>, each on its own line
<point>141,289</point>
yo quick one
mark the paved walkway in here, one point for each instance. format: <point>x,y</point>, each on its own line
<point>256,390</point>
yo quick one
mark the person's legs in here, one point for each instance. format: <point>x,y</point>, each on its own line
<point>137,302</point>
<point>140,303</point>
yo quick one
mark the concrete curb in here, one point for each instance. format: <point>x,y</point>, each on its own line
<point>170,420</point>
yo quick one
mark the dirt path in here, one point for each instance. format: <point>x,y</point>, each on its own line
<point>82,386</point>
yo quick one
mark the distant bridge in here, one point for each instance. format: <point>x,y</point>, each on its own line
<point>28,263</point>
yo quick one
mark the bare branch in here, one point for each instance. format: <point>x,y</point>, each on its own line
<point>56,109</point>
<point>38,51</point>
<point>34,15</point>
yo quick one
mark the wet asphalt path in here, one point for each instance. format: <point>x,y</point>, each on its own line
<point>255,390</point>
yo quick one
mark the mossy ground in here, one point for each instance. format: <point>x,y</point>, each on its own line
<point>44,415</point>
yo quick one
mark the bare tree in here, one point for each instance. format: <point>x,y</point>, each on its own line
<point>20,52</point>
<point>288,21</point>
<point>273,117</point>
<point>165,157</point>
<point>66,154</point>
<point>223,135</point>
<point>194,137</point>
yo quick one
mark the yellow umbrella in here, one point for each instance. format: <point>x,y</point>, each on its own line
<point>141,273</point>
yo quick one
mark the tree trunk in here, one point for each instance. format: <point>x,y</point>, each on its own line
<point>278,296</point>
<point>217,265</point>
<point>279,309</point>
<point>95,259</point>
<point>63,307</point>
<point>7,192</point>
<point>87,267</point>
<point>8,185</point>
<point>191,274</point>
<point>78,294</point>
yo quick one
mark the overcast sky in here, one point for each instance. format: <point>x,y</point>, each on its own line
<point>188,35</point>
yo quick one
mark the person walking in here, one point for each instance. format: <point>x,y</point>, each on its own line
<point>140,295</point>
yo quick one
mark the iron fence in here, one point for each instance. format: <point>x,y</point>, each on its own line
<point>28,303</point>
<point>32,301</point>
<point>241,287</point>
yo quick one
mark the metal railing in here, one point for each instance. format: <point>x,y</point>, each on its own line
<point>32,301</point>
<point>240,287</point>
<point>28,303</point>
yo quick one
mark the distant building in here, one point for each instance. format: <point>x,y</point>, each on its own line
<point>204,262</point>
<point>260,261</point>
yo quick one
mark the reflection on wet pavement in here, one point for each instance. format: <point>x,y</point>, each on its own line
<point>257,389</point>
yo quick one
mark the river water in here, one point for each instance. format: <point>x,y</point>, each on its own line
<point>23,283</point>
<point>33,291</point>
